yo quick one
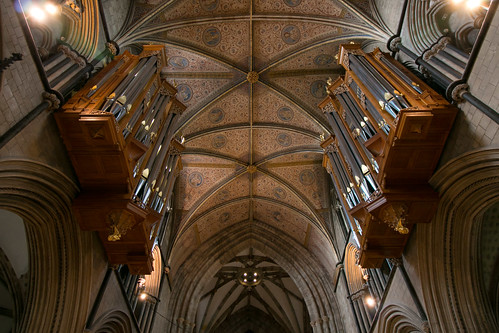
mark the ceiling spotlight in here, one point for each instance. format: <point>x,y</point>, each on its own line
<point>245,274</point>
<point>245,280</point>
<point>255,274</point>
<point>143,296</point>
<point>254,280</point>
<point>370,302</point>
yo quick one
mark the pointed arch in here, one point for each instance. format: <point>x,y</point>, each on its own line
<point>60,254</point>
<point>454,296</point>
<point>302,266</point>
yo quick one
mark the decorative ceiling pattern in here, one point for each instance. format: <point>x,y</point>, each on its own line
<point>251,73</point>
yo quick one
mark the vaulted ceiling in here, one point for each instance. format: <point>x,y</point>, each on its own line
<point>251,73</point>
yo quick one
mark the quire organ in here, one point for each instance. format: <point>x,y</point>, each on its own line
<point>389,129</point>
<point>118,131</point>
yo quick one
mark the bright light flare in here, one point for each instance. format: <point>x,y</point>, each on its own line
<point>472,4</point>
<point>37,14</point>
<point>370,301</point>
<point>143,296</point>
<point>51,8</point>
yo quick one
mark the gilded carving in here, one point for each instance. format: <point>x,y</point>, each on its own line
<point>394,215</point>
<point>120,222</point>
<point>329,108</point>
<point>341,89</point>
<point>346,58</point>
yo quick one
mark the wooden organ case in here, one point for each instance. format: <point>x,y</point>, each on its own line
<point>119,136</point>
<point>389,129</point>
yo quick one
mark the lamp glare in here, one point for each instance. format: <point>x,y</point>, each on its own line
<point>37,13</point>
<point>370,301</point>
<point>472,4</point>
<point>51,8</point>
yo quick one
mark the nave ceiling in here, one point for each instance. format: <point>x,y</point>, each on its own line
<point>251,73</point>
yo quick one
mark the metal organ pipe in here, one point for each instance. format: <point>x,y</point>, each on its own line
<point>121,109</point>
<point>401,74</point>
<point>382,90</point>
<point>360,171</point>
<point>358,119</point>
<point>123,84</point>
<point>144,132</point>
<point>105,78</point>
<point>372,110</point>
<point>149,174</point>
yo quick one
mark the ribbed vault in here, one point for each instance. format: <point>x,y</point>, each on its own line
<point>251,73</point>
<point>193,279</point>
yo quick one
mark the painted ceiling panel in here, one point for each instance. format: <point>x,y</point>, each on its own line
<point>237,188</point>
<point>319,57</point>
<point>193,92</point>
<point>290,222</point>
<point>229,41</point>
<point>205,8</point>
<point>267,187</point>
<point>228,109</point>
<point>230,142</point>
<point>270,107</point>
<point>301,7</point>
<point>192,158</point>
<point>219,219</point>
<point>181,61</point>
<point>275,39</point>
<point>310,89</point>
<point>268,141</point>
<point>198,180</point>
<point>304,157</point>
<point>308,181</point>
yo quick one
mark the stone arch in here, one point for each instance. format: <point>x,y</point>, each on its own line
<point>60,255</point>
<point>304,269</point>
<point>113,322</point>
<point>454,296</point>
<point>400,319</point>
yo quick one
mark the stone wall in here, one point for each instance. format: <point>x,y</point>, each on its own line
<point>21,87</point>
<point>472,129</point>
